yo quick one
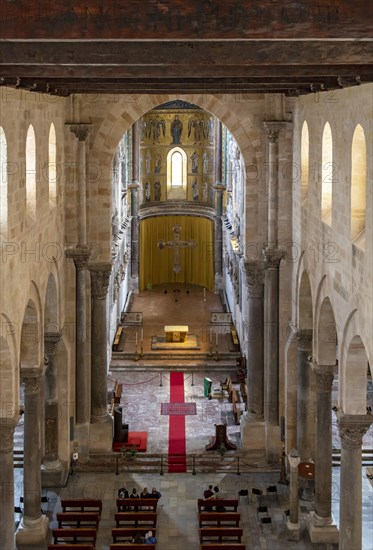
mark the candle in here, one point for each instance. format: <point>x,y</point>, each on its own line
<point>136,338</point>
<point>216,336</point>
<point>204,294</point>
<point>210,334</point>
<point>142,335</point>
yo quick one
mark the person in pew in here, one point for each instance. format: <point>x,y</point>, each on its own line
<point>134,494</point>
<point>208,493</point>
<point>155,494</point>
<point>138,538</point>
<point>217,495</point>
<point>149,538</point>
<point>145,493</point>
<point>122,493</point>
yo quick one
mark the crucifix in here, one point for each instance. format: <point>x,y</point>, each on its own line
<point>176,244</point>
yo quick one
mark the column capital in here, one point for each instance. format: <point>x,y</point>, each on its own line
<point>324,375</point>
<point>100,278</point>
<point>272,256</point>
<point>32,377</point>
<point>51,340</point>
<point>6,435</point>
<point>352,428</point>
<point>80,130</point>
<point>254,272</point>
<point>273,129</point>
<point>80,255</point>
<point>304,337</point>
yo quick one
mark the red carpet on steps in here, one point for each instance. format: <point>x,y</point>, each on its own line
<point>138,439</point>
<point>176,437</point>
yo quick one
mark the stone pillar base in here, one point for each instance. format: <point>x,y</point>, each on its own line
<point>82,440</point>
<point>101,436</point>
<point>252,434</point>
<point>273,444</point>
<point>55,476</point>
<point>32,532</point>
<point>134,284</point>
<point>293,531</point>
<point>320,533</point>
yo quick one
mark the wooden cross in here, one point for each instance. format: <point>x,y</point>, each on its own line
<point>176,244</point>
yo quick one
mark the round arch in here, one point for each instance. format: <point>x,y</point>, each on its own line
<point>121,117</point>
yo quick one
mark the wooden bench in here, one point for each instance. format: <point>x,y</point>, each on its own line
<point>148,519</point>
<point>126,546</point>
<point>117,337</point>
<point>206,533</point>
<point>224,546</point>
<point>137,503</point>
<point>78,519</point>
<point>205,518</point>
<point>236,414</point>
<point>75,534</point>
<point>243,389</point>
<point>121,534</point>
<point>82,546</point>
<point>82,505</point>
<point>227,503</point>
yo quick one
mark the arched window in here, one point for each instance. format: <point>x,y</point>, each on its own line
<point>3,184</point>
<point>327,175</point>
<point>52,165</point>
<point>31,173</point>
<point>304,161</point>
<point>176,173</point>
<point>358,186</point>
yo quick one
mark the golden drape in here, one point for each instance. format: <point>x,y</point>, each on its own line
<point>197,264</point>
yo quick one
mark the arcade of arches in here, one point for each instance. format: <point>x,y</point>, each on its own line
<point>267,204</point>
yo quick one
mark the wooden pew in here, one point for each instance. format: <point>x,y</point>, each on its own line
<point>81,546</point>
<point>117,337</point>
<point>78,519</point>
<point>81,505</point>
<point>205,533</point>
<point>131,545</point>
<point>138,519</point>
<point>117,392</point>
<point>217,518</point>
<point>137,503</point>
<point>121,534</point>
<point>227,503</point>
<point>224,546</point>
<point>75,534</point>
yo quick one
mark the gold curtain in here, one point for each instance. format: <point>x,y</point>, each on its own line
<point>197,264</point>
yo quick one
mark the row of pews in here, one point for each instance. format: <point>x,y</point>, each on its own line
<point>223,526</point>
<point>77,525</point>
<point>134,517</point>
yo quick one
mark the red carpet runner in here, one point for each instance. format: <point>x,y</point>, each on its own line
<point>176,436</point>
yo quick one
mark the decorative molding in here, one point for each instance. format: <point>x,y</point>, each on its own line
<point>32,383</point>
<point>51,340</point>
<point>80,256</point>
<point>100,278</point>
<point>176,208</point>
<point>80,131</point>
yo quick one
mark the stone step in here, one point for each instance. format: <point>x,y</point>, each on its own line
<point>18,458</point>
<point>366,457</point>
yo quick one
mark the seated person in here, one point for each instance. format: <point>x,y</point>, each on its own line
<point>149,539</point>
<point>155,494</point>
<point>138,538</point>
<point>217,495</point>
<point>122,493</point>
<point>144,493</point>
<point>134,494</point>
<point>208,493</point>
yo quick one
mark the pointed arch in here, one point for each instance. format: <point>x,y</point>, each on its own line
<point>30,173</point>
<point>52,165</point>
<point>304,160</point>
<point>3,184</point>
<point>327,173</point>
<point>358,186</point>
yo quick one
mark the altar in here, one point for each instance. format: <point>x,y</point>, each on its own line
<point>176,333</point>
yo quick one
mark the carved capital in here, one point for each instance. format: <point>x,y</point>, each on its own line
<point>51,340</point>
<point>273,129</point>
<point>6,436</point>
<point>324,380</point>
<point>272,256</point>
<point>100,278</point>
<point>80,256</point>
<point>254,278</point>
<point>80,131</point>
<point>32,382</point>
<point>352,429</point>
<point>304,338</point>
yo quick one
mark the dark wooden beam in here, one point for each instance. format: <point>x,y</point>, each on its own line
<point>184,19</point>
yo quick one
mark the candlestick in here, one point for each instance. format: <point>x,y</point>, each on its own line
<point>141,335</point>
<point>204,294</point>
<point>210,334</point>
<point>136,338</point>
<point>216,338</point>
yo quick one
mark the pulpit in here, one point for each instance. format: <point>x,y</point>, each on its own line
<point>176,333</point>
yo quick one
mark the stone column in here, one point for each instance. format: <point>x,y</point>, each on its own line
<point>255,366</point>
<point>218,236</point>
<point>293,519</point>
<point>304,403</point>
<point>135,226</point>
<point>272,257</point>
<point>321,526</point>
<point>352,428</point>
<point>7,483</point>
<point>34,525</point>
<point>101,421</point>
<point>51,460</point>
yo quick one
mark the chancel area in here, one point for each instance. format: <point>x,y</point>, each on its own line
<point>186,211</point>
